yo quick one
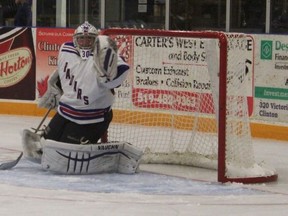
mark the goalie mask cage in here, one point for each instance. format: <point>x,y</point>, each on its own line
<point>186,101</point>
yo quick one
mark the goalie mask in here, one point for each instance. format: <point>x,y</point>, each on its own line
<point>84,39</point>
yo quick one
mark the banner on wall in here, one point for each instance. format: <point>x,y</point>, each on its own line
<point>48,43</point>
<point>271,82</point>
<point>17,64</point>
<point>23,77</point>
<point>171,72</point>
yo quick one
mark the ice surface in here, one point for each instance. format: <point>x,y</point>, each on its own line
<point>28,190</point>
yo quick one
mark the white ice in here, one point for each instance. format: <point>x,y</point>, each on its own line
<point>27,190</point>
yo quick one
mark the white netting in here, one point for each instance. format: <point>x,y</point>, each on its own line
<point>168,106</point>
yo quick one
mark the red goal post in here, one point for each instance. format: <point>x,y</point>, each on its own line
<point>193,86</point>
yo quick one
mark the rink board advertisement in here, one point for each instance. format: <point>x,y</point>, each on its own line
<point>48,43</point>
<point>164,73</point>
<point>171,72</point>
<point>17,64</point>
<point>160,67</point>
<point>271,81</point>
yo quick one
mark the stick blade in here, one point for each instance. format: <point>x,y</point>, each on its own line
<point>10,164</point>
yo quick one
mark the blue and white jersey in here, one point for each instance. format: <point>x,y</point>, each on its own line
<point>85,100</point>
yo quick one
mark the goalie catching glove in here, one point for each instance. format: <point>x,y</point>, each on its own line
<point>105,59</point>
<point>51,97</point>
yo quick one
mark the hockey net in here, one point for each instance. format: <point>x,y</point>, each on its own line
<point>187,101</point>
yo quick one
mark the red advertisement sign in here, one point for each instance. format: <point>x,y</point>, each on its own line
<point>48,43</point>
<point>17,64</point>
<point>178,100</point>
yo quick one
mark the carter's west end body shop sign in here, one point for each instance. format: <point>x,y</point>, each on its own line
<point>17,64</point>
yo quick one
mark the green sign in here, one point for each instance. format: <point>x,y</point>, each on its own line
<point>271,93</point>
<point>266,49</point>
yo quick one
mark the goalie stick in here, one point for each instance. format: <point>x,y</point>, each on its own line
<point>10,164</point>
<point>42,121</point>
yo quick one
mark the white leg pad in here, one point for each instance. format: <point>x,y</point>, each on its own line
<point>68,158</point>
<point>129,162</point>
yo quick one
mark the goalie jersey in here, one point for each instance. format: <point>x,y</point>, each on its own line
<point>85,99</point>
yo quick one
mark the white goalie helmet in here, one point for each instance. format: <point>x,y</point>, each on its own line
<point>84,39</point>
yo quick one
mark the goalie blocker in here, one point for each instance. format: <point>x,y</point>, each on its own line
<point>66,158</point>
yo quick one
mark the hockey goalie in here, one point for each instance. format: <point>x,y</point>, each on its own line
<point>81,90</point>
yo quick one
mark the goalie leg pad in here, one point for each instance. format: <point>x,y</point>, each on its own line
<point>68,158</point>
<point>129,161</point>
<point>32,149</point>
